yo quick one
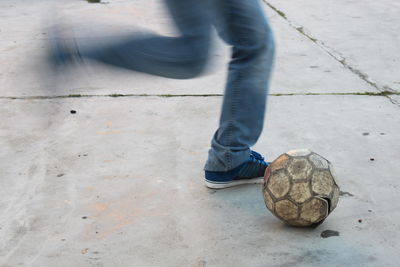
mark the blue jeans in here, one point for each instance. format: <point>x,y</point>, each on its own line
<point>242,25</point>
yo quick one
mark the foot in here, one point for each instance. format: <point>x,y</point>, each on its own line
<point>64,49</point>
<point>250,172</point>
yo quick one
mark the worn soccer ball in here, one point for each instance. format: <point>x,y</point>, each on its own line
<point>300,188</point>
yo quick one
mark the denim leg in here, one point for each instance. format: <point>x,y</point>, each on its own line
<point>180,57</point>
<point>242,24</point>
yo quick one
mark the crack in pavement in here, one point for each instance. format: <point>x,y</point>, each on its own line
<point>333,53</point>
<point>38,97</point>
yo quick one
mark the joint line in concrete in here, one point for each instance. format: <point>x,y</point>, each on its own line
<point>330,51</point>
<point>38,97</point>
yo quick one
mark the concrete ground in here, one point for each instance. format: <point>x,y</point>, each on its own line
<point>119,183</point>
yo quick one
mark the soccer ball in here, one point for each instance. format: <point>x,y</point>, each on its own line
<point>300,188</point>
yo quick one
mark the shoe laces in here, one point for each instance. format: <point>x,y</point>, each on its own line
<point>257,158</point>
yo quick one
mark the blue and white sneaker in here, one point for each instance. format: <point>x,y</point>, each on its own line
<point>64,49</point>
<point>250,172</point>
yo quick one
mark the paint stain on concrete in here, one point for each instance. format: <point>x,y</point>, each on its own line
<point>109,132</point>
<point>99,207</point>
<point>329,233</point>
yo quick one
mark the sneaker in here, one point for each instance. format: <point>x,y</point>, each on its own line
<point>64,49</point>
<point>250,172</point>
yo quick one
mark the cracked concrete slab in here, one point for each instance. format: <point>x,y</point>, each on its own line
<point>300,68</point>
<point>395,99</point>
<point>119,180</point>
<point>120,183</point>
<point>364,33</point>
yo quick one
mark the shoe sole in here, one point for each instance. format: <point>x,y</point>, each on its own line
<point>214,185</point>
